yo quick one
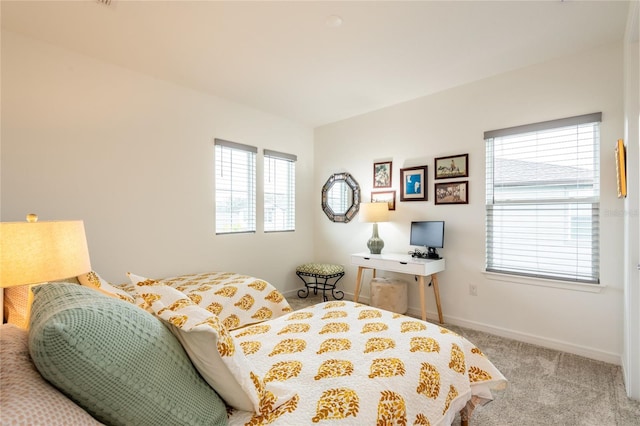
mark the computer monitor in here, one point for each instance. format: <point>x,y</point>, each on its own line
<point>428,234</point>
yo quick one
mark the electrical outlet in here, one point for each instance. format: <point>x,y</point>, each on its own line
<point>473,289</point>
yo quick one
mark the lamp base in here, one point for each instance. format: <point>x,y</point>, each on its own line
<point>375,243</point>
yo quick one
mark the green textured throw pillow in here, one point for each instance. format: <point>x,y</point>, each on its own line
<point>118,362</point>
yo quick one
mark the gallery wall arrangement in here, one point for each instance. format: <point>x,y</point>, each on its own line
<point>414,182</point>
<point>455,166</point>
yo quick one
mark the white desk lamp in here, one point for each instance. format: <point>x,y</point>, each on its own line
<point>36,252</point>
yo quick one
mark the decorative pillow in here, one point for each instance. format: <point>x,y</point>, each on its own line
<point>212,350</point>
<point>238,300</point>
<point>93,280</point>
<point>26,398</point>
<point>117,361</point>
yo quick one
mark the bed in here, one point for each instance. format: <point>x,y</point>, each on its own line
<point>224,348</point>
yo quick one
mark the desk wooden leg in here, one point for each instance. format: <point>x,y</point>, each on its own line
<point>358,281</point>
<point>434,280</point>
<point>423,302</point>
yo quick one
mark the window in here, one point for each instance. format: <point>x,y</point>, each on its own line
<point>543,199</point>
<point>235,187</point>
<point>279,191</point>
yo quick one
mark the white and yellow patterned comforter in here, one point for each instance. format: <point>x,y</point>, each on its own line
<point>237,300</point>
<point>352,364</point>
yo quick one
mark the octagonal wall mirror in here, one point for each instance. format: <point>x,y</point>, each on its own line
<point>341,197</point>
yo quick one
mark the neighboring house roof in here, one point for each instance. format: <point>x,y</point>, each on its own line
<point>519,172</point>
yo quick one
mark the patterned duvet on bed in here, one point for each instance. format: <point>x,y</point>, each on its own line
<point>350,364</point>
<point>238,300</point>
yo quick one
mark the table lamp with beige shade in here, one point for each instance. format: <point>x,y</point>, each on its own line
<point>374,213</point>
<point>35,252</point>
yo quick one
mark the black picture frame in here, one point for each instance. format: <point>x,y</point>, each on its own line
<point>451,192</point>
<point>385,196</point>
<point>414,183</point>
<point>382,174</point>
<point>454,166</point>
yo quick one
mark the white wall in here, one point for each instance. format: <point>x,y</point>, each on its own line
<point>453,122</point>
<point>631,334</point>
<point>132,156</point>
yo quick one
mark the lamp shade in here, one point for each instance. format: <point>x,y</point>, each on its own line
<point>374,212</point>
<point>37,252</point>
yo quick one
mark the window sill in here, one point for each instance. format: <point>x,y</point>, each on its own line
<point>541,282</point>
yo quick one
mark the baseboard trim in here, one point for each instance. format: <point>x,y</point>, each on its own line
<point>545,342</point>
<point>290,293</point>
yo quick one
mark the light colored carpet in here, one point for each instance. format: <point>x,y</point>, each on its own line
<point>546,387</point>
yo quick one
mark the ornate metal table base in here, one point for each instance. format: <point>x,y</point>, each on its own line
<point>325,277</point>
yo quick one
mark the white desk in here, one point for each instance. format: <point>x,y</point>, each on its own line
<point>405,264</point>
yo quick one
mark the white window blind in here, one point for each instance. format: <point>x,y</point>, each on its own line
<point>543,199</point>
<point>279,191</point>
<point>235,187</point>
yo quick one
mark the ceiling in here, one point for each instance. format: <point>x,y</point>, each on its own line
<point>286,58</point>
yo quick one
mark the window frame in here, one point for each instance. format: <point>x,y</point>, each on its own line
<point>275,162</point>
<point>496,269</point>
<point>247,188</point>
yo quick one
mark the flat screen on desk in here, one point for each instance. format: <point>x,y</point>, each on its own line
<point>427,234</point>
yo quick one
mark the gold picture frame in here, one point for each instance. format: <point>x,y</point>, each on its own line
<point>621,170</point>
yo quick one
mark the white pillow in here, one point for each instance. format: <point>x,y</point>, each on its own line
<point>95,281</point>
<point>213,350</point>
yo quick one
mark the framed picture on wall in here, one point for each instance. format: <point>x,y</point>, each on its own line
<point>388,197</point>
<point>413,184</point>
<point>452,192</point>
<point>382,174</point>
<point>454,166</point>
